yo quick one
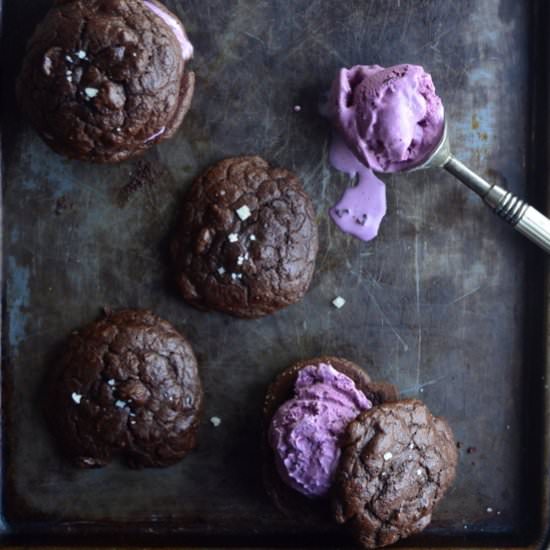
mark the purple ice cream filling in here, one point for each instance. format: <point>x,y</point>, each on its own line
<point>305,431</point>
<point>176,26</point>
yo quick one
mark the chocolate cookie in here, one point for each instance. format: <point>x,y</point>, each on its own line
<point>286,499</point>
<point>247,240</point>
<point>398,460</point>
<point>103,80</point>
<point>128,384</point>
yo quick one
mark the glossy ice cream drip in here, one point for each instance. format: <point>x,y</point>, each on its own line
<point>361,208</point>
<point>305,431</point>
<point>390,120</point>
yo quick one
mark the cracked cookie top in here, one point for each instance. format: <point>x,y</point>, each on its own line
<point>247,239</point>
<point>398,461</point>
<point>127,385</point>
<point>103,80</point>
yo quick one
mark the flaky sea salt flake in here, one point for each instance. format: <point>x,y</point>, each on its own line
<point>216,421</point>
<point>388,456</point>
<point>76,397</point>
<point>91,92</point>
<point>244,213</point>
<point>339,302</point>
<point>233,237</point>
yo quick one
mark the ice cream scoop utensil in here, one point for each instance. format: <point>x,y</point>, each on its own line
<point>526,219</point>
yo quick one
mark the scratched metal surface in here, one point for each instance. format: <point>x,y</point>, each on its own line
<point>425,307</point>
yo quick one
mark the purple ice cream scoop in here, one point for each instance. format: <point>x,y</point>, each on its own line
<point>391,119</point>
<point>305,431</point>
<point>385,120</point>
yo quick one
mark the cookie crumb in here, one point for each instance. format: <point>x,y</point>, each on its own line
<point>63,204</point>
<point>388,456</point>
<point>143,174</point>
<point>233,238</point>
<point>244,213</point>
<point>216,421</point>
<point>339,302</point>
<point>120,404</point>
<point>76,397</point>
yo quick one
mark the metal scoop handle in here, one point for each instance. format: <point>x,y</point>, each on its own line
<point>526,219</point>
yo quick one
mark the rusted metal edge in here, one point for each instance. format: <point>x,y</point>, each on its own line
<point>540,184</point>
<point>2,279</point>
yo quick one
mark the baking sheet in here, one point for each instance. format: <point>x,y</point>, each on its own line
<point>439,304</point>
